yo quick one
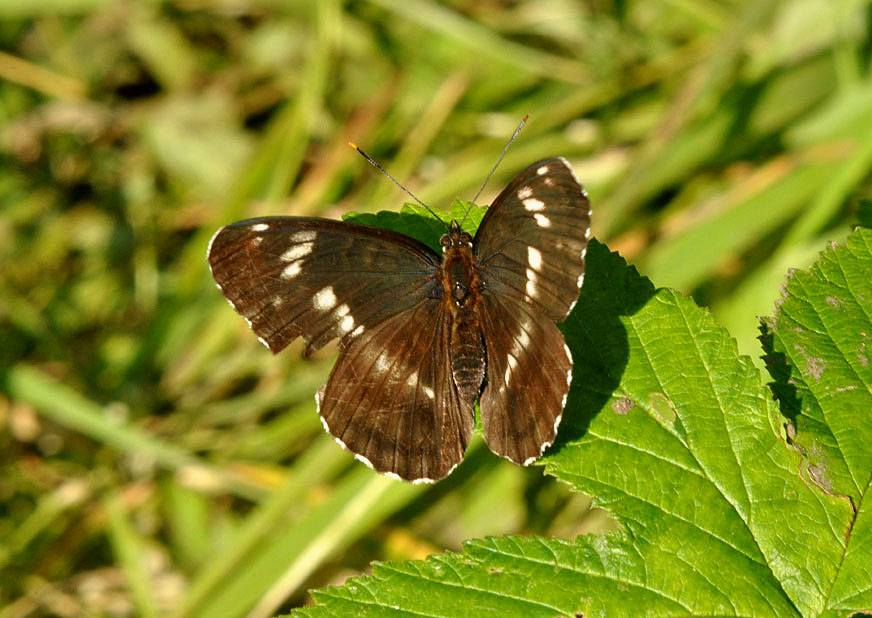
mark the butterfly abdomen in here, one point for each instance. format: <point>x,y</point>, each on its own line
<point>462,299</point>
<point>467,358</point>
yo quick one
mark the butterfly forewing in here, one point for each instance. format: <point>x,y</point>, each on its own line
<point>318,279</point>
<point>391,398</point>
<point>531,243</point>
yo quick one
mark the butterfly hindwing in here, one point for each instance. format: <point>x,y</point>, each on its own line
<point>396,406</point>
<point>529,370</point>
<point>531,243</point>
<point>318,279</point>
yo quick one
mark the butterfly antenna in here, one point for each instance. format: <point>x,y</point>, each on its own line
<point>378,166</point>
<point>500,160</point>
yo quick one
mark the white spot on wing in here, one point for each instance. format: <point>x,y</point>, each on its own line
<point>297,251</point>
<point>291,271</point>
<point>324,299</point>
<point>530,288</point>
<point>542,170</point>
<point>524,339</point>
<point>425,480</point>
<point>524,192</point>
<point>303,236</point>
<point>357,331</point>
<point>542,220</point>
<point>513,364</point>
<point>256,241</point>
<point>347,324</point>
<point>531,204</point>
<point>534,258</point>
<point>521,343</point>
<point>259,227</point>
<point>431,394</point>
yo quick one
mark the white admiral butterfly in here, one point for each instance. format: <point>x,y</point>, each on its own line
<point>422,336</point>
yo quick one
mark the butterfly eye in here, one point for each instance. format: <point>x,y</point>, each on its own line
<point>445,242</point>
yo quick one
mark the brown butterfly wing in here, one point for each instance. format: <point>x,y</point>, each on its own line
<point>530,248</point>
<point>391,398</point>
<point>532,240</point>
<point>318,279</point>
<point>529,370</point>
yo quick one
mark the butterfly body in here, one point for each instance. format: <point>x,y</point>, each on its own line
<point>461,301</point>
<point>422,336</point>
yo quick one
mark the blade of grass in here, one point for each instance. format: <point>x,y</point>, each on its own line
<point>189,521</point>
<point>15,9</point>
<point>360,500</point>
<point>130,553</point>
<point>154,39</point>
<point>691,257</point>
<point>485,41</point>
<point>676,148</point>
<point>307,103</point>
<point>421,136</point>
<point>373,498</point>
<point>316,465</point>
<point>46,513</point>
<point>40,78</point>
<point>69,408</point>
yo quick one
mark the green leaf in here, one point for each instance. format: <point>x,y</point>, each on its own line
<point>676,434</point>
<point>820,345</point>
<point>416,221</point>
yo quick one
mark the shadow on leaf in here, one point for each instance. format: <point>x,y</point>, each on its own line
<point>782,386</point>
<point>597,338</point>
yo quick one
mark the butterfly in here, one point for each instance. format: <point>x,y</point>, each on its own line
<point>422,336</point>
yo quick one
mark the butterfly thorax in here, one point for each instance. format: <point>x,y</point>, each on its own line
<point>461,296</point>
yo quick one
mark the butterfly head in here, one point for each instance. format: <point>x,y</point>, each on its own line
<point>455,238</point>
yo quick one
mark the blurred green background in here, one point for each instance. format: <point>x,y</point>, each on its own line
<point>155,459</point>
